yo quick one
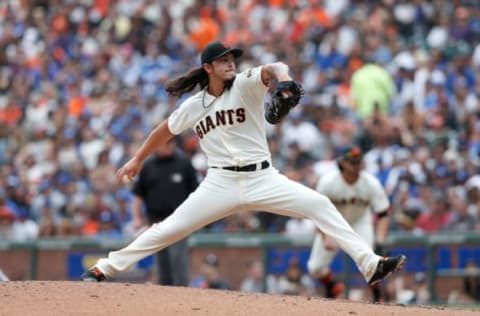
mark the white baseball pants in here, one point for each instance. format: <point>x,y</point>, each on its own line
<point>223,193</point>
<point>321,258</point>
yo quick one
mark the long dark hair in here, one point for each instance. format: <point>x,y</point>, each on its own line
<point>187,82</point>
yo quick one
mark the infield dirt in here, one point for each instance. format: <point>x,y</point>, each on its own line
<point>63,298</point>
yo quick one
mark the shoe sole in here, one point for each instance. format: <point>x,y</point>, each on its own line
<point>399,266</point>
<point>89,280</point>
<point>93,275</point>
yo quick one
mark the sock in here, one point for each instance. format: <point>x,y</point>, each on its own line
<point>376,292</point>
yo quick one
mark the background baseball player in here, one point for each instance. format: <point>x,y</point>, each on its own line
<point>227,115</point>
<point>357,195</point>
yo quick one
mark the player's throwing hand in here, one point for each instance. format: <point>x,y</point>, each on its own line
<point>129,170</point>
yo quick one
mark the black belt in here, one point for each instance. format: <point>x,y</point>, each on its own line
<point>252,167</point>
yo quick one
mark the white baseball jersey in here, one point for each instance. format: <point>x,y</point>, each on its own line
<point>231,128</point>
<point>355,200</point>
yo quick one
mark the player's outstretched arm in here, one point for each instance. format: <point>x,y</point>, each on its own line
<point>158,137</point>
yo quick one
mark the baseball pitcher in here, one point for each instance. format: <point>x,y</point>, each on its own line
<point>228,116</point>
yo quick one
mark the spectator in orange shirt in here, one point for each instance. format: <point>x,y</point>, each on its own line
<point>206,30</point>
<point>11,114</point>
<point>315,15</point>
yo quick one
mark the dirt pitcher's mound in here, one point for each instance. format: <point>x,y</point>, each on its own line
<point>77,298</point>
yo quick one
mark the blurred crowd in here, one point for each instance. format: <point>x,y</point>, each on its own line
<point>82,84</point>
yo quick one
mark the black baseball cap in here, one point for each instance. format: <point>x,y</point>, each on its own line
<point>216,50</point>
<point>352,154</point>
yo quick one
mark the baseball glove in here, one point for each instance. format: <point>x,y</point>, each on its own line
<point>286,96</point>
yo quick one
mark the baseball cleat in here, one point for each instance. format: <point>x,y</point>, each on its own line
<point>93,275</point>
<point>387,266</point>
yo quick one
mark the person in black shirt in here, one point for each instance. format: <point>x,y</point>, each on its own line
<point>164,182</point>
